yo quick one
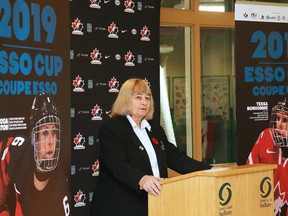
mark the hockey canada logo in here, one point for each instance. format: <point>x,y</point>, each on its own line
<point>96,57</point>
<point>129,58</point>
<point>78,84</point>
<point>129,5</point>
<point>95,4</point>
<point>113,85</point>
<point>113,30</point>
<point>96,112</point>
<point>145,33</point>
<point>95,168</point>
<point>79,141</point>
<point>79,198</point>
<point>77,27</point>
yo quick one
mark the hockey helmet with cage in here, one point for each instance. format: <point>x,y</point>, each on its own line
<point>279,124</point>
<point>46,150</point>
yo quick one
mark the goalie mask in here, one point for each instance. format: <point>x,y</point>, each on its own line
<point>279,124</point>
<point>45,133</point>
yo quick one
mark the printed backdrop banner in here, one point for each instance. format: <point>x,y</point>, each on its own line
<point>34,47</point>
<point>111,41</point>
<point>261,69</point>
<point>261,90</point>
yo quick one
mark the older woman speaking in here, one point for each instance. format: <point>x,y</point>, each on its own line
<point>134,155</point>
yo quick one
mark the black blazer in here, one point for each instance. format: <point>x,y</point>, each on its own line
<point>124,161</point>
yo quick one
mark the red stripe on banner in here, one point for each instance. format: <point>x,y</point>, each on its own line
<point>18,209</point>
<point>4,178</point>
<point>6,162</point>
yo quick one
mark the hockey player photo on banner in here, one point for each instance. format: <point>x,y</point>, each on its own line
<point>261,90</point>
<point>32,179</point>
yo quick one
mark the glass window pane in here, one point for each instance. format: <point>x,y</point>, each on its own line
<point>275,1</point>
<point>175,85</point>
<point>216,5</point>
<point>218,95</point>
<point>177,4</point>
<point>205,5</point>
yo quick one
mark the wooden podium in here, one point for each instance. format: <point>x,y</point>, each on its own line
<point>239,190</point>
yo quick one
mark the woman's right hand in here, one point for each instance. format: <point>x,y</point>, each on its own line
<point>150,184</point>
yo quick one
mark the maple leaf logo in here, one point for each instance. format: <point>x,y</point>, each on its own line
<point>78,196</point>
<point>127,3</point>
<point>112,27</point>
<point>95,166</point>
<point>95,54</point>
<point>78,84</point>
<point>128,56</point>
<point>77,81</point>
<point>78,138</point>
<point>113,85</point>
<point>112,82</point>
<point>77,25</point>
<point>144,31</point>
<point>96,110</point>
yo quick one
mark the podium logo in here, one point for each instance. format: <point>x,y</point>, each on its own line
<point>265,187</point>
<point>225,194</point>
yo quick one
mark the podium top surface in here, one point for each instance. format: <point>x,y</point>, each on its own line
<point>223,171</point>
